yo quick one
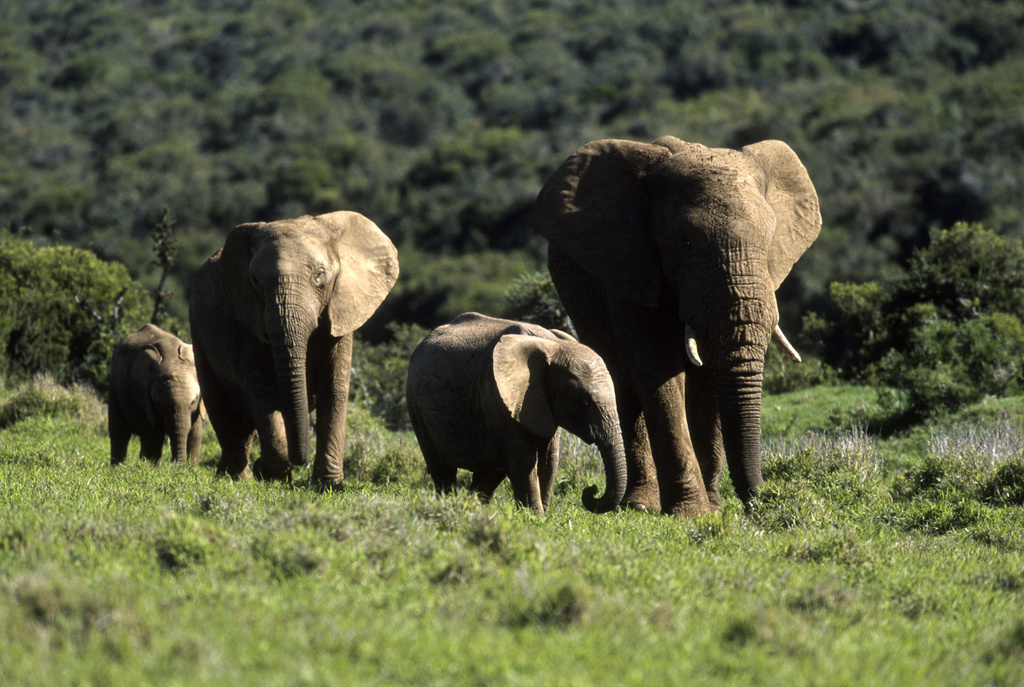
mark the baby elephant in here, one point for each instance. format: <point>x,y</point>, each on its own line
<point>489,396</point>
<point>154,393</point>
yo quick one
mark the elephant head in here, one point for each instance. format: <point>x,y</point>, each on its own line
<point>173,397</point>
<point>284,281</point>
<point>707,234</point>
<point>546,384</point>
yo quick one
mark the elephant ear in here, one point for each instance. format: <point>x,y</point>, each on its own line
<point>368,269</point>
<point>594,209</point>
<point>143,373</point>
<point>520,364</point>
<point>791,195</point>
<point>564,336</point>
<point>236,293</point>
<point>186,353</point>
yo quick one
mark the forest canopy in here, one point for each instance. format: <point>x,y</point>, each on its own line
<point>440,121</point>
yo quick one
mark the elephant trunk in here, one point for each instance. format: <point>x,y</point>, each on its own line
<point>178,428</point>
<point>613,453</point>
<point>288,329</point>
<point>737,351</point>
<point>739,400</point>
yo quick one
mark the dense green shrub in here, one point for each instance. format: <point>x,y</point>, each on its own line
<point>63,311</point>
<point>379,372</point>
<point>782,374</point>
<point>947,332</point>
<point>532,298</point>
<point>433,290</point>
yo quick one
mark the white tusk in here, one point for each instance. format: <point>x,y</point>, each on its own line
<point>691,347</point>
<point>784,344</point>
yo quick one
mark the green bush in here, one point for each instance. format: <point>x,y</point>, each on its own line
<point>43,396</point>
<point>532,298</point>
<point>944,364</point>
<point>64,310</point>
<point>782,374</point>
<point>947,332</point>
<point>379,373</point>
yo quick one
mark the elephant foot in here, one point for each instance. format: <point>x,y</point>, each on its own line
<point>244,474</point>
<point>236,469</point>
<point>642,499</point>
<point>692,509</point>
<point>267,470</point>
<point>326,486</point>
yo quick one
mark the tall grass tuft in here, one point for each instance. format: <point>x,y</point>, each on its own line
<point>978,445</point>
<point>815,453</point>
<point>42,396</point>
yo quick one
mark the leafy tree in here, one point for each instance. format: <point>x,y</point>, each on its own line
<point>63,311</point>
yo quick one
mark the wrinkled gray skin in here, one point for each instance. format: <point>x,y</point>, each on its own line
<point>490,396</point>
<point>667,257</point>
<point>272,317</point>
<point>154,394</point>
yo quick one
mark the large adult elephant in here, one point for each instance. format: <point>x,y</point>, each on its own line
<point>667,257</point>
<point>272,317</point>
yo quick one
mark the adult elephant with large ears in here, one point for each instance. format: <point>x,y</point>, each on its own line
<point>272,317</point>
<point>667,257</point>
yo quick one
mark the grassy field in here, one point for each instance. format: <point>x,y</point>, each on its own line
<point>871,560</point>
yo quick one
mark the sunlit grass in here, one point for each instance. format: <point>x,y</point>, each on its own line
<point>849,571</point>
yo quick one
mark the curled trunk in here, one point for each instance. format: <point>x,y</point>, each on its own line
<point>613,454</point>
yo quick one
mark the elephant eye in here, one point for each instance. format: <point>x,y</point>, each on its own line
<point>318,278</point>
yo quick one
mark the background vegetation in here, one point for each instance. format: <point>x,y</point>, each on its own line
<point>441,121</point>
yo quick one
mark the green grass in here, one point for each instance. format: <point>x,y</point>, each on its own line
<point>854,569</point>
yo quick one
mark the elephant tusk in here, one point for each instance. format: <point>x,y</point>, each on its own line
<point>784,344</point>
<point>691,347</point>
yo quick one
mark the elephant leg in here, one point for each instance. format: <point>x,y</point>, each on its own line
<point>151,446</point>
<point>526,489</point>
<point>195,441</point>
<point>264,405</point>
<point>520,459</point>
<point>442,475</point>
<point>547,466</point>
<point>654,362</point>
<point>235,430</point>
<point>680,481</point>
<point>332,381</point>
<point>273,462</point>
<point>642,491</point>
<point>591,310</point>
<point>705,431</point>
<point>120,435</point>
<point>485,483</point>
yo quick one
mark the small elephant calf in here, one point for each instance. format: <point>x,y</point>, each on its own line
<point>154,393</point>
<point>490,396</point>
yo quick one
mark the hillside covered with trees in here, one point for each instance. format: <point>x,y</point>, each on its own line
<point>440,121</point>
